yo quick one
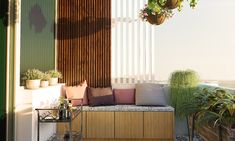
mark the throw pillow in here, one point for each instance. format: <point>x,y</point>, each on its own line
<point>150,94</point>
<point>124,96</point>
<point>100,96</point>
<point>77,92</point>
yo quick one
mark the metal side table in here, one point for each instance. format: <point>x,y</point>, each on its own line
<point>51,116</point>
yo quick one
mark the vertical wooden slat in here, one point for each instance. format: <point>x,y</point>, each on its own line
<point>84,41</point>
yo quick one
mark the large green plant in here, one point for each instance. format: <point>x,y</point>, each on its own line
<point>216,107</point>
<point>183,83</point>
<point>211,107</point>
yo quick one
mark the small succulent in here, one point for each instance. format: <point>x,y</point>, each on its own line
<point>46,76</point>
<point>54,74</point>
<point>32,74</point>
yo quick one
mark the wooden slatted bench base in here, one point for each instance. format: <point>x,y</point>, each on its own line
<point>105,124</point>
<point>127,140</point>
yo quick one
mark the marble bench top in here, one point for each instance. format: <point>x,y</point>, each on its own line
<point>128,108</point>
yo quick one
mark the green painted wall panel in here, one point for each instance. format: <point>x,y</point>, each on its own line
<point>37,35</point>
<point>2,66</point>
<point>3,37</point>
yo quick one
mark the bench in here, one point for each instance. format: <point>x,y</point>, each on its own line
<point>127,122</point>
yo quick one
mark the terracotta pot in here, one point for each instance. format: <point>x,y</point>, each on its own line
<point>170,4</point>
<point>44,84</point>
<point>53,81</point>
<point>33,84</point>
<point>156,19</point>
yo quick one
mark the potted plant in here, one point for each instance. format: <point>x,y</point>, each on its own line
<point>54,75</point>
<point>169,4</point>
<point>45,80</point>
<point>183,83</point>
<point>155,14</point>
<point>156,11</point>
<point>216,109</point>
<point>32,78</point>
<point>182,86</point>
<point>172,4</point>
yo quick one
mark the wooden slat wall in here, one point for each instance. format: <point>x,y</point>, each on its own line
<point>84,41</point>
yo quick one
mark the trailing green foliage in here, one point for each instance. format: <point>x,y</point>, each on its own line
<point>182,86</point>
<point>157,4</point>
<point>153,5</point>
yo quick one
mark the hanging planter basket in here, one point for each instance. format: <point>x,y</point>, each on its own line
<point>171,4</point>
<point>156,19</point>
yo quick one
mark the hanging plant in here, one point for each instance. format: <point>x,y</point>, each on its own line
<point>156,11</point>
<point>155,15</point>
<point>169,4</point>
<point>172,4</point>
<point>156,19</point>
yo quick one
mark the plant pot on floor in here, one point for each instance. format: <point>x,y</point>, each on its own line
<point>44,83</point>
<point>53,81</point>
<point>156,19</point>
<point>33,84</point>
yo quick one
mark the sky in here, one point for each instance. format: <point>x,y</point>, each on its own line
<point>202,39</point>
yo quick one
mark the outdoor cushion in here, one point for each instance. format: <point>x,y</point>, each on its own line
<point>100,96</point>
<point>124,96</point>
<point>77,92</point>
<point>150,94</point>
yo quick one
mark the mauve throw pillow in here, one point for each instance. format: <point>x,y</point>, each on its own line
<point>124,96</point>
<point>100,96</point>
<point>77,92</point>
<point>150,94</point>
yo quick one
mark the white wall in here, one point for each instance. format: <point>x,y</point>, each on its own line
<point>199,39</point>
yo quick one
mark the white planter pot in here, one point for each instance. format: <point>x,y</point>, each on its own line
<point>53,81</point>
<point>33,84</point>
<point>44,83</point>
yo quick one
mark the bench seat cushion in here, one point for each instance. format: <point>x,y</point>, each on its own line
<point>128,108</point>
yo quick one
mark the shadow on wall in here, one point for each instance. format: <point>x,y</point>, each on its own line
<point>37,19</point>
<point>72,29</point>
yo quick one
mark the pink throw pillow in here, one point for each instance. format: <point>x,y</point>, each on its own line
<point>77,92</point>
<point>124,96</point>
